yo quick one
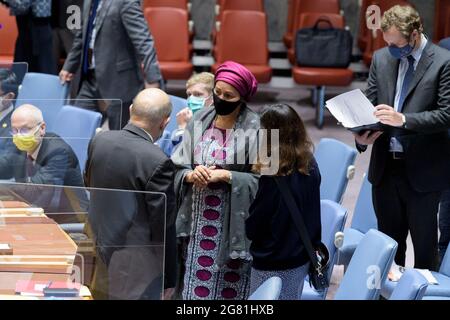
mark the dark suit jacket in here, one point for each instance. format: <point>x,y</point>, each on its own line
<point>56,165</point>
<point>123,43</point>
<point>427,111</point>
<point>130,228</point>
<point>276,242</point>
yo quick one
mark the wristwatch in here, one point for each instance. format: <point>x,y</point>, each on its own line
<point>231,178</point>
<point>404,121</point>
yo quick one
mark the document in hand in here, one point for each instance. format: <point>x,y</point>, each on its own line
<point>354,111</point>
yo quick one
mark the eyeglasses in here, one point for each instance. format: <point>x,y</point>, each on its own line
<point>25,131</point>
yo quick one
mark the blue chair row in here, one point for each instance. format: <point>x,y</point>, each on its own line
<point>46,92</point>
<point>357,284</point>
<point>442,289</point>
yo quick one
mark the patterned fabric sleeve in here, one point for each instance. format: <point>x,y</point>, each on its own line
<point>40,8</point>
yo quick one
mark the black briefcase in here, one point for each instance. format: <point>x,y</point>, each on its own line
<point>317,47</point>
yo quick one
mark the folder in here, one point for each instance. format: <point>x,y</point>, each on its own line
<point>370,127</point>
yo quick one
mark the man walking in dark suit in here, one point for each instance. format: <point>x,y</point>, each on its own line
<point>34,42</point>
<point>131,228</point>
<point>409,82</point>
<point>114,51</point>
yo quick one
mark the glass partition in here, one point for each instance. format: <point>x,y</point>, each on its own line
<point>63,242</point>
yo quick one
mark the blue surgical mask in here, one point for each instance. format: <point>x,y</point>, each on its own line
<point>195,103</point>
<point>402,52</point>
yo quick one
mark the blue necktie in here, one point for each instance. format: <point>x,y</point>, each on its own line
<point>90,28</point>
<point>406,82</point>
<point>395,145</point>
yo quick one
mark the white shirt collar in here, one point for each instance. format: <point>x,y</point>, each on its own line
<point>149,135</point>
<point>417,53</point>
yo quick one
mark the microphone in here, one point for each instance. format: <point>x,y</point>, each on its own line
<point>339,239</point>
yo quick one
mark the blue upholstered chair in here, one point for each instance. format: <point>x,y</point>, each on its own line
<point>368,267</point>
<point>335,160</point>
<point>363,220</point>
<point>411,286</point>
<point>333,217</point>
<point>77,127</point>
<point>442,289</point>
<point>178,104</point>
<point>45,92</point>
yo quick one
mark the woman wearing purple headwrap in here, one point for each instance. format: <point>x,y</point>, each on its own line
<point>215,187</point>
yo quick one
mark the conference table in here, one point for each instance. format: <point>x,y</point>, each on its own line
<point>34,250</point>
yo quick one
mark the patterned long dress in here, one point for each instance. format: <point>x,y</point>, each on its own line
<point>203,278</point>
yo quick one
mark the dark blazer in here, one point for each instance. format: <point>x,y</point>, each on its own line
<point>427,110</point>
<point>130,229</point>
<point>122,45</point>
<point>56,165</point>
<point>276,242</point>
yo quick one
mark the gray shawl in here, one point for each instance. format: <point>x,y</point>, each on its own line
<point>234,243</point>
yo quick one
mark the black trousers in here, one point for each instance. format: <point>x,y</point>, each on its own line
<point>89,97</point>
<point>34,44</point>
<point>399,209</point>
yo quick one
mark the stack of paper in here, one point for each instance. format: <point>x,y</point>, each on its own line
<point>352,109</point>
<point>428,275</point>
<point>396,273</point>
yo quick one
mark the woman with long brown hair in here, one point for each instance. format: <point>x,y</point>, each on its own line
<point>277,248</point>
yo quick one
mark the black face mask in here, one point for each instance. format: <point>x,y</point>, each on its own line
<point>224,107</point>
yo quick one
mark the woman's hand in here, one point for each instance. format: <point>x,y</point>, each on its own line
<point>199,176</point>
<point>219,175</point>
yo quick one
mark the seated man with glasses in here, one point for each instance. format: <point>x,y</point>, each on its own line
<point>41,158</point>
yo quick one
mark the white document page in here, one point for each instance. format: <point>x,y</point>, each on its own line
<point>352,109</point>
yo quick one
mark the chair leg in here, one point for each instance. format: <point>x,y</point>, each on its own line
<point>314,92</point>
<point>320,106</point>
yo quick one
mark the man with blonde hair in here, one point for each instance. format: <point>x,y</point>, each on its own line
<point>409,83</point>
<point>199,89</point>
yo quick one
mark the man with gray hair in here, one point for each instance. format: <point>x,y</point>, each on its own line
<point>130,227</point>
<point>40,157</point>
